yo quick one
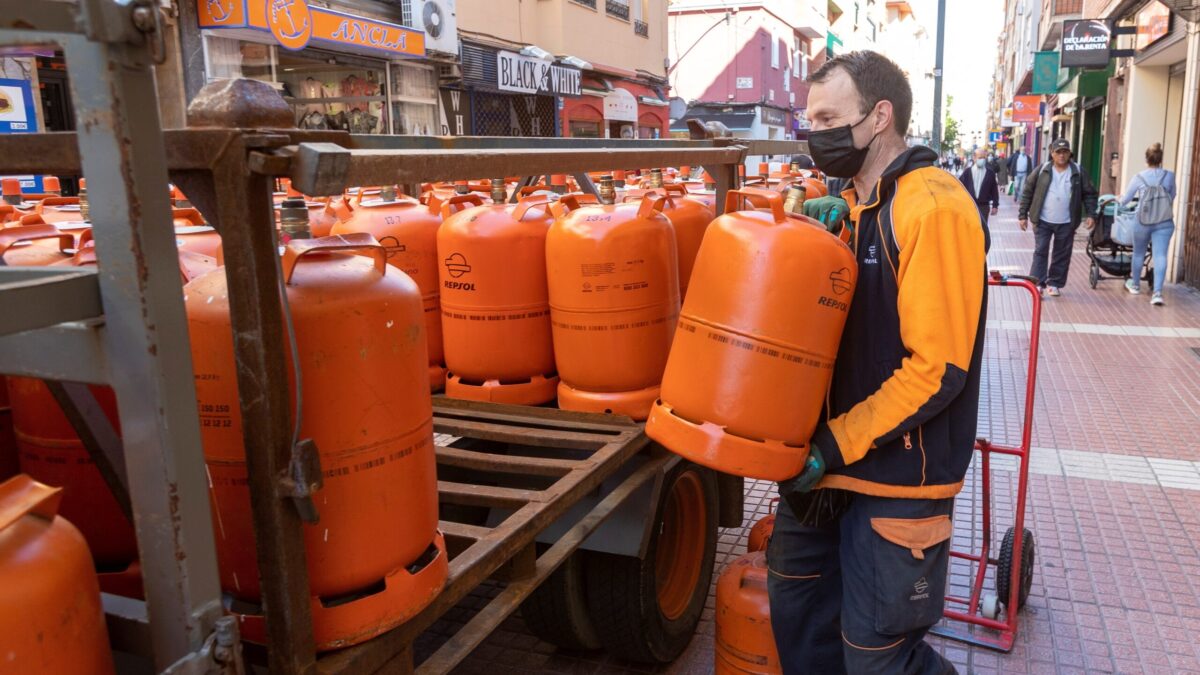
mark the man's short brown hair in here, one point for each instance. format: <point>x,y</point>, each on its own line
<point>877,78</point>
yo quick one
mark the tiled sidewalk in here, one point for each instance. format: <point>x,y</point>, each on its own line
<point>1114,491</point>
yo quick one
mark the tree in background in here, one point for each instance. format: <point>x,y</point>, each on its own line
<point>950,128</point>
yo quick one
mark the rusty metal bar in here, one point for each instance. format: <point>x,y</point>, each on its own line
<point>238,204</point>
<point>33,298</point>
<point>463,530</point>
<point>511,464</point>
<point>512,434</point>
<point>315,170</point>
<point>467,494</point>
<point>98,436</point>
<point>120,147</point>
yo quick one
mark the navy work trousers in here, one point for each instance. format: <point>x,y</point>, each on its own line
<point>858,594</point>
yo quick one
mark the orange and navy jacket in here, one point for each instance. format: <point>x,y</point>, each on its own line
<point>902,406</point>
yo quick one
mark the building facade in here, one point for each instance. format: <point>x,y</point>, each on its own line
<point>604,60</point>
<point>745,64</point>
<point>1147,92</point>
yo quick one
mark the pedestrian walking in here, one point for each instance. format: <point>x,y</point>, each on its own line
<point>1154,189</point>
<point>1019,165</point>
<point>1056,198</point>
<point>980,181</point>
<point>1002,171</point>
<point>859,553</point>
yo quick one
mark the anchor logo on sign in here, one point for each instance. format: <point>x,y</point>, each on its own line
<point>220,10</point>
<point>290,22</point>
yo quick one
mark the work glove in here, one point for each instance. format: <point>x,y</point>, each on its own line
<point>831,211</point>
<point>795,489</point>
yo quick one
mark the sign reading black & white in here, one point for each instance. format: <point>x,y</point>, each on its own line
<point>528,75</point>
<point>1086,43</point>
<point>455,112</point>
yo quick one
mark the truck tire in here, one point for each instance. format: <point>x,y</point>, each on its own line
<point>556,611</point>
<point>646,610</point>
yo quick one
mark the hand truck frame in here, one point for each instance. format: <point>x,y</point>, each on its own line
<point>1014,566</point>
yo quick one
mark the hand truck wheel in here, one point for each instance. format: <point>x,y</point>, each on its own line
<point>989,606</point>
<point>1005,562</point>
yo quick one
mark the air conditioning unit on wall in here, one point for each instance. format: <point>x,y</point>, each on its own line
<point>439,21</point>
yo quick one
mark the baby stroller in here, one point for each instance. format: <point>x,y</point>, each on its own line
<point>1109,257</point>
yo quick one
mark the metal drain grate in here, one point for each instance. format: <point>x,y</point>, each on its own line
<point>1196,351</point>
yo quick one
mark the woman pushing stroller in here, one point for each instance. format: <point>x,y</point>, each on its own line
<point>1154,188</point>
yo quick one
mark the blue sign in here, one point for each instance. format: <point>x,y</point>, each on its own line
<point>995,136</point>
<point>18,116</point>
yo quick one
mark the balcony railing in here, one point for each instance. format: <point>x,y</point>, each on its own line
<point>586,3</point>
<point>1062,7</point>
<point>641,28</point>
<point>617,8</point>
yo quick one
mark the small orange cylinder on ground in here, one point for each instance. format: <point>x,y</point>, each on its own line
<point>408,229</point>
<point>51,620</point>
<point>744,641</point>
<point>752,359</point>
<point>495,307</point>
<point>760,533</point>
<point>613,278</point>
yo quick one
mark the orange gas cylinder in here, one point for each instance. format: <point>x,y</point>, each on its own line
<point>58,209</point>
<point>744,642</point>
<point>193,234</point>
<point>613,277</point>
<point>18,245</point>
<point>408,230</point>
<point>495,308</point>
<point>51,620</point>
<point>689,217</point>
<point>10,189</point>
<point>51,452</point>
<point>751,362</point>
<point>760,534</point>
<point>321,217</point>
<point>8,440</point>
<point>375,558</point>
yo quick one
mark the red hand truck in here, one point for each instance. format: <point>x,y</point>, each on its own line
<point>1014,566</point>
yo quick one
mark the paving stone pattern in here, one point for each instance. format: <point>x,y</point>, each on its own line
<point>1114,490</point>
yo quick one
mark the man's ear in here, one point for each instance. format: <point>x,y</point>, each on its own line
<point>884,117</point>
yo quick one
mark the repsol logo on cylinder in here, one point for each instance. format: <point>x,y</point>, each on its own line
<point>836,304</point>
<point>459,285</point>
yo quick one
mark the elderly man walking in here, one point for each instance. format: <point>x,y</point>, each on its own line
<point>980,181</point>
<point>1056,198</point>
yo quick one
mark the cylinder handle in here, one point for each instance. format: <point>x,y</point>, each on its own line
<point>359,243</point>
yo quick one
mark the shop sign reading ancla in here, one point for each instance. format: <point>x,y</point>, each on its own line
<point>534,76</point>
<point>1085,43</point>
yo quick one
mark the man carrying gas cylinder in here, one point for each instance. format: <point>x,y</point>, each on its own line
<point>859,555</point>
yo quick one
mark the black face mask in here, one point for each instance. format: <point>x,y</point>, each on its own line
<point>834,153</point>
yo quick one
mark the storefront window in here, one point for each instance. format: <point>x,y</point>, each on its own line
<point>649,132</point>
<point>414,99</point>
<point>334,91</point>
<point>585,129</point>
